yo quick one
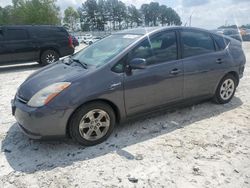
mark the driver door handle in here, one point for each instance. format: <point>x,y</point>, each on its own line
<point>115,85</point>
<point>175,71</point>
<point>219,61</point>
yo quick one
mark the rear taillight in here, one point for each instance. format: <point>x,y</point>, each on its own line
<point>71,42</point>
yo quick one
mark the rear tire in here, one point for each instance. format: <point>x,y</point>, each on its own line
<point>225,90</point>
<point>48,57</point>
<point>92,123</point>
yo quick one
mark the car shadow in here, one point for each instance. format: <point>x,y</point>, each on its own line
<point>11,68</point>
<point>26,155</point>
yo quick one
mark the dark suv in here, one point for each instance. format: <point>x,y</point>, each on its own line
<point>44,44</point>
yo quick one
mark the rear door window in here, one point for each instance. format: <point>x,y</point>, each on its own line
<point>16,34</point>
<point>196,43</point>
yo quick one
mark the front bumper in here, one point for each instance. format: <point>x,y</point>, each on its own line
<point>40,123</point>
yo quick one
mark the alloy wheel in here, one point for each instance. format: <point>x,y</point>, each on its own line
<point>94,125</point>
<point>50,58</point>
<point>227,89</point>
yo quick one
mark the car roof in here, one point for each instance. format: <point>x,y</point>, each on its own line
<point>138,31</point>
<point>31,26</point>
<point>148,30</point>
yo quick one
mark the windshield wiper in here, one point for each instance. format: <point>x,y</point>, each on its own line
<point>84,65</point>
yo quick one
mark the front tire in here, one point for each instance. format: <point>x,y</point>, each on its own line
<point>92,123</point>
<point>48,57</point>
<point>225,90</point>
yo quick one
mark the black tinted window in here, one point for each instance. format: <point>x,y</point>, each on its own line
<point>196,43</point>
<point>221,42</point>
<point>1,34</point>
<point>49,32</point>
<point>16,34</point>
<point>157,49</point>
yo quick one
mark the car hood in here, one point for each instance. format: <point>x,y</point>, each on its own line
<point>58,72</point>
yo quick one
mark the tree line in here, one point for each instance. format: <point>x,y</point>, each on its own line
<point>96,14</point>
<point>93,14</point>
<point>30,12</point>
<point>247,26</point>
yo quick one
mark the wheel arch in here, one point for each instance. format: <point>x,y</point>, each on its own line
<point>235,74</point>
<point>49,48</point>
<point>108,102</point>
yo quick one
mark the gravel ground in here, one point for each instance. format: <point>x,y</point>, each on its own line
<point>206,145</point>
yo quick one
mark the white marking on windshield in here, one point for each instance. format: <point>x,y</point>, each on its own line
<point>130,36</point>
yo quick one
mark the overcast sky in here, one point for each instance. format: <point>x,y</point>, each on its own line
<point>205,13</point>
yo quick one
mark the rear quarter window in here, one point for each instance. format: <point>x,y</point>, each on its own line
<point>221,42</point>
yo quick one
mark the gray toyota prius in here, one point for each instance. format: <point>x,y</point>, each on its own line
<point>129,73</point>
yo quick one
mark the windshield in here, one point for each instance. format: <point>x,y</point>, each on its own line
<point>104,50</point>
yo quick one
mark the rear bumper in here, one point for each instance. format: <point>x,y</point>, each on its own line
<point>241,72</point>
<point>40,123</point>
<point>67,51</point>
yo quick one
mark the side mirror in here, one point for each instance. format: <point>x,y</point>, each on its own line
<point>138,63</point>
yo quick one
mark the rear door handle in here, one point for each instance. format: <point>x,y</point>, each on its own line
<point>175,71</point>
<point>219,61</point>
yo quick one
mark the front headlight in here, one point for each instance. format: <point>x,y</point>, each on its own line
<point>46,94</point>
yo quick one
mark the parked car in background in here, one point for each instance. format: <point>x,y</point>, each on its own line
<point>246,35</point>
<point>44,44</point>
<point>80,39</point>
<point>129,73</point>
<point>75,41</point>
<point>87,38</point>
<point>234,33</point>
<point>93,40</point>
<point>218,31</point>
